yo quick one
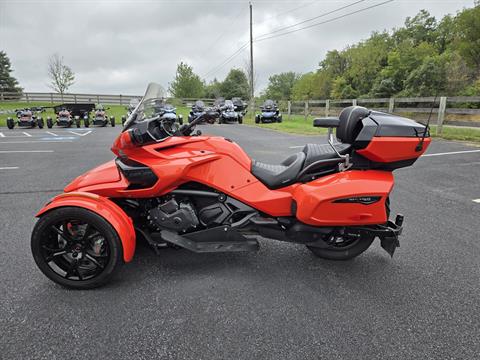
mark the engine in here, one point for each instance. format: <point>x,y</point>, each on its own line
<point>173,216</point>
<point>192,210</point>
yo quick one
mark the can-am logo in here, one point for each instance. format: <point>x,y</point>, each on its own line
<point>365,200</point>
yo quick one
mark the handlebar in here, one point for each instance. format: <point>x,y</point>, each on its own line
<point>151,130</point>
<point>186,130</point>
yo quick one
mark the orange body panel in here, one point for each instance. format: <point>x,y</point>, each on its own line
<point>315,204</point>
<point>212,161</point>
<point>104,207</point>
<point>391,149</point>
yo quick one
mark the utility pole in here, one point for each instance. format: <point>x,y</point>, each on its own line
<point>252,99</point>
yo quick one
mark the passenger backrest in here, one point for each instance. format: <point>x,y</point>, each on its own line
<point>350,123</point>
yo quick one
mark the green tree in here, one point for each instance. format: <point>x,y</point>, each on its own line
<point>402,61</point>
<point>235,85</point>
<point>213,89</point>
<point>383,88</point>
<point>186,84</point>
<point>343,90</point>
<point>429,78</point>
<point>304,87</point>
<point>467,35</point>
<point>280,85</point>
<point>7,82</point>
<point>421,28</point>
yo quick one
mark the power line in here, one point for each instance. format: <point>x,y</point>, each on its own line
<point>326,21</point>
<point>238,51</point>
<point>226,61</point>
<point>311,19</point>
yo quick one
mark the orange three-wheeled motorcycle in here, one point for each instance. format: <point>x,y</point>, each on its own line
<point>174,187</point>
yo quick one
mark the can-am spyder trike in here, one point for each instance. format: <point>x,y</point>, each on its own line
<point>173,187</point>
<point>27,118</point>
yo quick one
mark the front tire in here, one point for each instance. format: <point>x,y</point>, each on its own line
<point>10,123</point>
<point>86,122</point>
<point>347,252</point>
<point>76,248</point>
<point>49,122</point>
<point>112,121</point>
<point>40,123</point>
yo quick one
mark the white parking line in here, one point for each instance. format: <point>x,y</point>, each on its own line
<point>51,133</point>
<point>26,134</point>
<point>476,200</point>
<point>2,134</point>
<point>9,168</point>
<point>452,153</point>
<point>25,151</point>
<point>75,133</point>
<point>297,147</point>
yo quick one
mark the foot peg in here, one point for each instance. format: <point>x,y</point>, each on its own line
<point>229,240</point>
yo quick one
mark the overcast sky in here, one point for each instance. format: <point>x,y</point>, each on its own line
<point>120,46</point>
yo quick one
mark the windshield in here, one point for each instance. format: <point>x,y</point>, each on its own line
<point>199,104</point>
<point>268,103</point>
<point>146,108</point>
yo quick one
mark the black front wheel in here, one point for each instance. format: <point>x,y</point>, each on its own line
<point>10,123</point>
<point>342,247</point>
<point>76,248</point>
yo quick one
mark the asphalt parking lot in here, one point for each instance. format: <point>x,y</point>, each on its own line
<point>278,303</point>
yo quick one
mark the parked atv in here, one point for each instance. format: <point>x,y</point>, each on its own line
<point>27,118</point>
<point>170,186</point>
<point>167,112</point>
<point>240,106</point>
<point>229,115</point>
<point>69,114</point>
<point>101,118</point>
<point>197,109</point>
<point>270,113</point>
<point>64,119</point>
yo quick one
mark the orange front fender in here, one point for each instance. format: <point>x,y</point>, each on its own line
<point>104,207</point>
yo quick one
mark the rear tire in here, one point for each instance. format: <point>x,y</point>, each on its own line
<point>279,119</point>
<point>77,123</point>
<point>10,123</point>
<point>257,120</point>
<point>124,118</point>
<point>86,122</point>
<point>112,121</point>
<point>40,123</point>
<point>345,253</point>
<point>42,240</point>
<point>49,122</point>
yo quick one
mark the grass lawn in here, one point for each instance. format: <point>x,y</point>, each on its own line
<point>296,124</point>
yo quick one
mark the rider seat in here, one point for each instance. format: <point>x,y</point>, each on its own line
<point>286,173</point>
